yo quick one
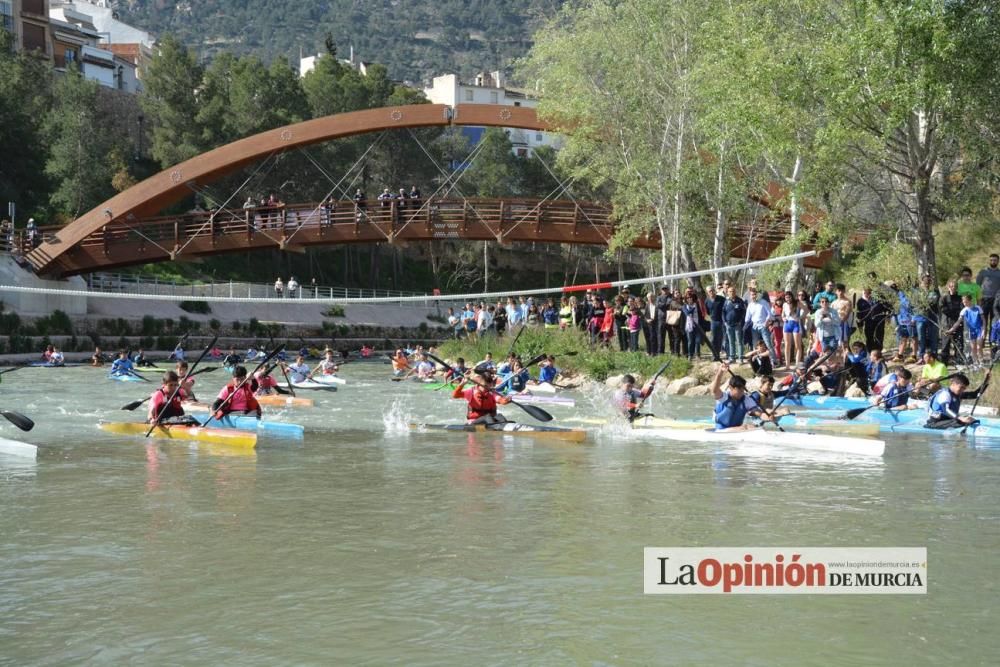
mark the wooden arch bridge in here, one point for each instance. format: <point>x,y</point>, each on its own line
<point>127,230</point>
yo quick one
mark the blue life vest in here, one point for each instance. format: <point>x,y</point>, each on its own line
<point>547,373</point>
<point>893,396</point>
<point>943,404</point>
<point>729,412</point>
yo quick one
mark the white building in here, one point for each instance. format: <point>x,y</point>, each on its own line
<point>308,63</point>
<point>106,22</point>
<point>490,89</point>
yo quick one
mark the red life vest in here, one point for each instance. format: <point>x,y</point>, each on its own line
<point>479,404</point>
<point>243,401</point>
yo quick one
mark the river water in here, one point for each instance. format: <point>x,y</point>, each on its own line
<point>366,543</point>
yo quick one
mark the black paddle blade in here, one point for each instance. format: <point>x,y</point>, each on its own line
<point>18,420</point>
<point>534,411</point>
<point>535,360</point>
<point>854,412</point>
<point>133,405</point>
<point>281,391</point>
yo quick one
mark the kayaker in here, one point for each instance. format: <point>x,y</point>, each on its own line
<point>547,370</point>
<point>266,384</point>
<point>764,397</point>
<point>488,362</point>
<point>122,365</point>
<point>425,368</point>
<point>187,383</point>
<point>518,377</point>
<point>47,354</point>
<point>457,371</point>
<point>139,360</point>
<point>98,358</point>
<point>943,408</point>
<point>482,401</point>
<point>895,394</point>
<point>57,358</point>
<point>299,370</point>
<point>159,409</point>
<point>327,366</point>
<point>178,353</point>
<point>400,364</point>
<point>857,362</point>
<point>241,393</point>
<point>231,360</point>
<point>627,398</point>
<point>733,406</point>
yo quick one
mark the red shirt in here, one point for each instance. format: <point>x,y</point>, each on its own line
<point>242,401</point>
<point>480,402</point>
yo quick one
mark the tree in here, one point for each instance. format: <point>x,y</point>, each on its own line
<point>171,101</point>
<point>81,143</point>
<point>25,82</point>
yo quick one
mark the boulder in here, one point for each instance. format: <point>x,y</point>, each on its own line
<point>613,381</point>
<point>854,392</point>
<point>700,390</point>
<point>681,385</point>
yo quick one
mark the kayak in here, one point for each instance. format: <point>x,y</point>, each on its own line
<point>150,369</point>
<point>16,448</point>
<point>819,402</point>
<point>811,441</point>
<point>437,386</point>
<point>49,364</point>
<point>511,428</point>
<point>219,436</point>
<point>329,379</point>
<point>251,423</point>
<point>121,377</point>
<point>280,401</point>
<point>791,423</point>
<point>535,399</point>
<point>312,384</point>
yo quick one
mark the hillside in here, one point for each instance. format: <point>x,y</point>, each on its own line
<point>416,39</point>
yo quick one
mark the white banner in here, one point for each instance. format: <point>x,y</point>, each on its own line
<point>781,570</point>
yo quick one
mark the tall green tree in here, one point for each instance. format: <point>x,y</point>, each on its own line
<point>81,141</point>
<point>26,97</point>
<point>171,100</point>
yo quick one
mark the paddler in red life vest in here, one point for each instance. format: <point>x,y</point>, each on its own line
<point>159,409</point>
<point>732,407</point>
<point>242,399</point>
<point>266,384</point>
<point>187,383</point>
<point>482,402</point>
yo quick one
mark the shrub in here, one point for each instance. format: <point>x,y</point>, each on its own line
<point>334,311</point>
<point>10,323</point>
<point>214,324</point>
<point>254,325</point>
<point>236,325</point>
<point>150,326</point>
<point>200,307</point>
<point>185,325</point>
<point>437,317</point>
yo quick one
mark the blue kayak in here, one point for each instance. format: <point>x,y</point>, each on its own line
<point>251,423</point>
<point>908,421</point>
<point>122,377</point>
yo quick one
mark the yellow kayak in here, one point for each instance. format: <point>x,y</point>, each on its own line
<point>219,436</point>
<point>510,428</point>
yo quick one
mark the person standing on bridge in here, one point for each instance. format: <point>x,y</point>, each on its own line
<point>293,286</point>
<point>279,288</point>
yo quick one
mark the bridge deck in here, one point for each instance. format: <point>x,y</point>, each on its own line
<point>296,226</point>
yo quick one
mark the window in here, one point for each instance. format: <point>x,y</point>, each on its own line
<point>468,94</point>
<point>34,37</point>
<point>538,137</point>
<point>522,152</point>
<point>493,97</point>
<point>517,104</point>
<point>69,57</point>
<point>6,15</point>
<point>34,7</point>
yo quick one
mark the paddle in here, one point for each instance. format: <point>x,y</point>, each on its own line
<point>982,390</point>
<point>134,404</point>
<point>142,377</point>
<point>249,377</point>
<point>283,372</point>
<point>11,370</point>
<point>534,411</point>
<point>854,412</point>
<point>18,420</point>
<point>798,381</point>
<point>510,377</point>
<point>173,395</point>
<point>514,342</point>
<point>634,413</point>
<point>717,354</point>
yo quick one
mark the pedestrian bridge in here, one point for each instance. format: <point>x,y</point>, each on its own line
<point>127,229</point>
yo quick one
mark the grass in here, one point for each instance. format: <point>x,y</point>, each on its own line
<point>573,353</point>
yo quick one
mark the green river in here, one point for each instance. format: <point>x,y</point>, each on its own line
<point>365,543</point>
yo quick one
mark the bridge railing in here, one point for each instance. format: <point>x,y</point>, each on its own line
<point>124,283</point>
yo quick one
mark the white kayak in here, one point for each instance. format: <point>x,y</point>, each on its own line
<point>16,448</point>
<point>313,384</point>
<point>760,436</point>
<point>540,388</point>
<point>329,379</point>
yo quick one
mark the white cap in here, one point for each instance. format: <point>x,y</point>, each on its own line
<point>30,220</point>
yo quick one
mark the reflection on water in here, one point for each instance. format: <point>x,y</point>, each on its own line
<point>366,542</point>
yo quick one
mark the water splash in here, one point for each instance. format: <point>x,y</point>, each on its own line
<point>396,420</point>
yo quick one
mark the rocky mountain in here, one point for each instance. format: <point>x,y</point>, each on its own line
<point>415,39</point>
